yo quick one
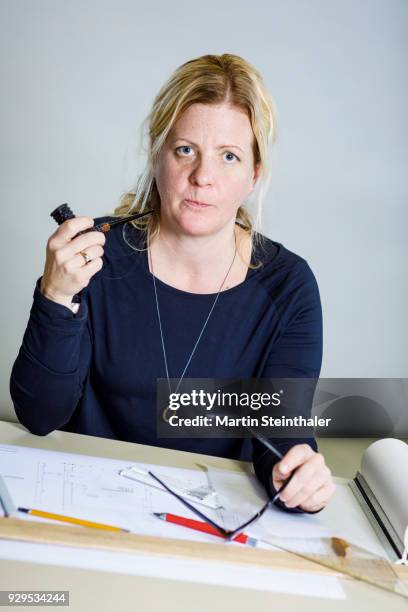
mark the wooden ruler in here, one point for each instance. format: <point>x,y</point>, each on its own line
<point>83,537</point>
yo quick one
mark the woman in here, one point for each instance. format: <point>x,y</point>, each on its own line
<point>192,289</point>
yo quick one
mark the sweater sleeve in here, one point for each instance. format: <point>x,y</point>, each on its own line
<point>297,354</point>
<point>48,375</point>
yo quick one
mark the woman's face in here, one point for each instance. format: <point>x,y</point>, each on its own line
<point>206,169</point>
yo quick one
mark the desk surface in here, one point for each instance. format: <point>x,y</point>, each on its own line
<point>91,590</point>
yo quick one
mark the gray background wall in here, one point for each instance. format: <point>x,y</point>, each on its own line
<point>79,77</point>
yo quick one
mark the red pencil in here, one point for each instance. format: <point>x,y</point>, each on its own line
<point>242,538</point>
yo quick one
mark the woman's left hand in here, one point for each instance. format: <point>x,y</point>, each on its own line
<point>312,486</point>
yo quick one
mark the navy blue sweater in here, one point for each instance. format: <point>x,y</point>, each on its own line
<point>95,372</point>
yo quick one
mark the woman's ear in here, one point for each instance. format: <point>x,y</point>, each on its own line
<point>257,172</point>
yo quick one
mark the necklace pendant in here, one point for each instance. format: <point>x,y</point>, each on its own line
<point>166,414</point>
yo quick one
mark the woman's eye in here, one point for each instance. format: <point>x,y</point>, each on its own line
<point>182,150</point>
<point>233,156</point>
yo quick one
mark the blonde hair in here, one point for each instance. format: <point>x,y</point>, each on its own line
<point>209,79</point>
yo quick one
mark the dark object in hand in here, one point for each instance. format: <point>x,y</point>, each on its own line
<point>63,213</point>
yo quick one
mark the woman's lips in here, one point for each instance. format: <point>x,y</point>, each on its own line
<point>195,204</point>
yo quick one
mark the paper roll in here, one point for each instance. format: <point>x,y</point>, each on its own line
<point>384,466</point>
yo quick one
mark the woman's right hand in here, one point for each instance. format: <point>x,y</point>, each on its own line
<point>66,272</point>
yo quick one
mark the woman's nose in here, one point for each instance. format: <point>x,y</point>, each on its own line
<point>203,172</point>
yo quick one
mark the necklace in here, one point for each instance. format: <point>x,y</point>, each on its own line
<point>166,408</point>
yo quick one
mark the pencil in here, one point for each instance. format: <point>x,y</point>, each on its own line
<point>242,538</point>
<point>70,519</point>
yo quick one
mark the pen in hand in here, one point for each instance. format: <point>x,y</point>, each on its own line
<point>265,442</point>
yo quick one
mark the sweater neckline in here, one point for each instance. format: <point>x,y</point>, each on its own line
<point>251,272</point>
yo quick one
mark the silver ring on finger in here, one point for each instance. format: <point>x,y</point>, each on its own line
<point>86,257</point>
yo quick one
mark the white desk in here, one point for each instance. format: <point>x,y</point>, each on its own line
<point>92,590</point>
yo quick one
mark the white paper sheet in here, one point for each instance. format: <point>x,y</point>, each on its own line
<point>91,488</point>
